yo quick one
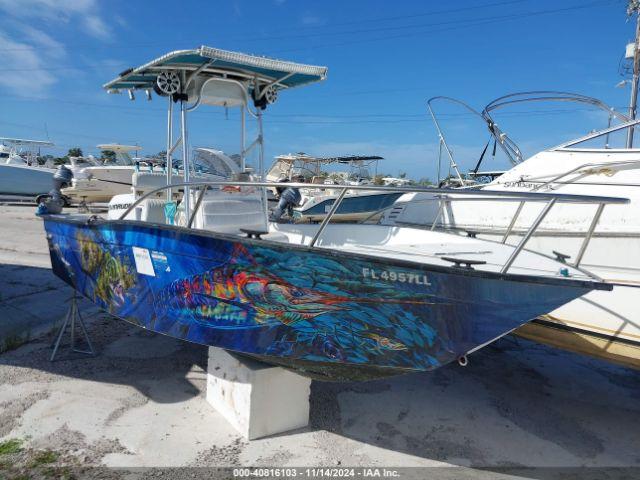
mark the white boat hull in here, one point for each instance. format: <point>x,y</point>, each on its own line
<point>100,184</point>
<point>25,180</point>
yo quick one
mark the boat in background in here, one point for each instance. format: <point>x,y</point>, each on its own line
<point>20,172</point>
<point>98,180</point>
<point>206,164</point>
<point>319,196</point>
<point>332,301</point>
<point>601,324</point>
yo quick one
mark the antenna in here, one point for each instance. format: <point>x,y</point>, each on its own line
<point>633,7</point>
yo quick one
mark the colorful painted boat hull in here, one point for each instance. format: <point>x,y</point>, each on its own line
<point>288,304</point>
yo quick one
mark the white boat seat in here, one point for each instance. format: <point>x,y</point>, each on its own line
<point>146,181</point>
<point>153,210</point>
<point>231,211</point>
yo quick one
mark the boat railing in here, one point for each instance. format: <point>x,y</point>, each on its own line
<point>443,195</point>
<point>600,133</point>
<point>506,144</point>
<point>593,166</point>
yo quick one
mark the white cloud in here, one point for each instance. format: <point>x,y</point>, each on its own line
<point>17,57</point>
<point>56,12</point>
<point>38,38</point>
<point>310,19</point>
<point>28,44</point>
<point>96,27</point>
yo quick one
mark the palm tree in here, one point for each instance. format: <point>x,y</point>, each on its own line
<point>75,152</point>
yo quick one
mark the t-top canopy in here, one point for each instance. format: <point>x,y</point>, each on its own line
<point>215,62</point>
<point>117,147</point>
<point>25,142</point>
<point>293,157</point>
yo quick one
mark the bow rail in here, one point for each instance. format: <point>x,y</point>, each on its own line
<point>549,199</point>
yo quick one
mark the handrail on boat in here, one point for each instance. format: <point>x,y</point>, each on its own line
<point>577,169</point>
<point>549,198</point>
<point>599,133</point>
<point>509,147</point>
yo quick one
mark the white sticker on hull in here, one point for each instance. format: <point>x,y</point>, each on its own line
<point>143,261</point>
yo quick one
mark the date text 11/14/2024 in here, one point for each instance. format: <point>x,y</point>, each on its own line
<point>315,472</point>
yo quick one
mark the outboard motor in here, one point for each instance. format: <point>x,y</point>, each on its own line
<point>62,177</point>
<point>289,198</point>
<point>54,201</point>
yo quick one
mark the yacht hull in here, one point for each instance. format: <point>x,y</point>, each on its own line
<point>25,180</point>
<point>351,209</point>
<point>319,311</point>
<point>100,184</point>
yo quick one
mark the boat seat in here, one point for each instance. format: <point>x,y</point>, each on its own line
<point>231,211</point>
<point>153,210</point>
<point>149,210</point>
<point>145,181</point>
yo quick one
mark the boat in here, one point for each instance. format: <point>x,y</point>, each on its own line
<point>318,197</point>
<point>603,324</point>
<point>20,173</point>
<point>332,301</point>
<point>206,164</point>
<point>98,180</point>
<point>101,180</point>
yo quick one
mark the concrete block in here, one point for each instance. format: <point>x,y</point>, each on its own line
<point>257,399</point>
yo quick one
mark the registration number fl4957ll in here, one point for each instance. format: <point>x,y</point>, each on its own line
<point>395,276</point>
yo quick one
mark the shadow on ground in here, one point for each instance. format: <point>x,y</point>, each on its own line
<point>517,404</point>
<point>34,301</point>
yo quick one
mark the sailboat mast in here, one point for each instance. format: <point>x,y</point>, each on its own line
<point>634,8</point>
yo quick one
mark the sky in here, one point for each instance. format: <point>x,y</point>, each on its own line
<point>385,60</point>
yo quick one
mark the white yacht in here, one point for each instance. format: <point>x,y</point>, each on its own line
<point>99,180</point>
<point>603,324</point>
<point>20,173</point>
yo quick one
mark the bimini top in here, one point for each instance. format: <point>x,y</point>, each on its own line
<point>117,147</point>
<point>293,157</point>
<point>25,142</point>
<point>215,62</point>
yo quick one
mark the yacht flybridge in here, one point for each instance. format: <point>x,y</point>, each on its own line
<point>603,162</point>
<point>331,300</point>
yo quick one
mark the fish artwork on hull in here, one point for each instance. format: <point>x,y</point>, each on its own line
<point>288,305</point>
<point>254,300</point>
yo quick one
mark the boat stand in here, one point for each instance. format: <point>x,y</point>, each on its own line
<point>257,399</point>
<point>73,315</point>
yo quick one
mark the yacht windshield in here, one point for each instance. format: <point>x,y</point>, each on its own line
<point>211,162</point>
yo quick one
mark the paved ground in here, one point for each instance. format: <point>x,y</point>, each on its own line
<point>31,297</point>
<point>141,401</point>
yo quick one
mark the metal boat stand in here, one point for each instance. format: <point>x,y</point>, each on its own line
<point>73,315</point>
